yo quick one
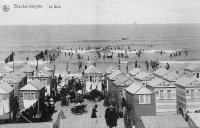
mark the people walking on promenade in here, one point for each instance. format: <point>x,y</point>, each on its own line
<point>111,117</point>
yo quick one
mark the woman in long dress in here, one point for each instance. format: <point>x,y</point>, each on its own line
<point>111,117</point>
<point>94,110</point>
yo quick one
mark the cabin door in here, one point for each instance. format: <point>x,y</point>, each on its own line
<point>90,78</point>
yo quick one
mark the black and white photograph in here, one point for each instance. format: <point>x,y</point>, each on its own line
<point>99,63</point>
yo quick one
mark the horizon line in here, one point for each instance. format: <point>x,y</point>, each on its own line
<point>96,24</point>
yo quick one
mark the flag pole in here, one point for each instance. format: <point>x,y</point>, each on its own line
<point>13,62</point>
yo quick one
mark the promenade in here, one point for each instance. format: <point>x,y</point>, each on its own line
<point>84,120</point>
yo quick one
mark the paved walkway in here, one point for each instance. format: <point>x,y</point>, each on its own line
<point>84,120</point>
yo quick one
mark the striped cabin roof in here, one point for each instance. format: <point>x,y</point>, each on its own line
<point>142,75</point>
<point>110,69</point>
<point>187,82</point>
<point>136,88</point>
<point>171,76</point>
<point>135,71</point>
<point>170,121</point>
<point>92,69</point>
<point>114,74</point>
<point>5,88</point>
<point>121,79</point>
<point>33,85</point>
<point>161,72</point>
<point>192,67</point>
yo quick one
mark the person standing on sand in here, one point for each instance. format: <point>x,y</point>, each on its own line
<point>94,110</point>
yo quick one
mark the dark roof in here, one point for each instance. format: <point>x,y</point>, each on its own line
<point>173,121</point>
<point>28,125</point>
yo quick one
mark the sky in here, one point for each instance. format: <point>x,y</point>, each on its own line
<point>101,12</point>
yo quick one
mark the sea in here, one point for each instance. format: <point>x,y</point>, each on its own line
<point>29,40</point>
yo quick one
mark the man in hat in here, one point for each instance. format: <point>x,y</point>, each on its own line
<point>111,117</point>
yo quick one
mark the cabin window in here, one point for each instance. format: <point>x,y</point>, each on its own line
<point>168,94</point>
<point>147,98</point>
<point>44,81</point>
<point>141,99</point>
<point>32,97</point>
<point>25,95</point>
<point>144,99</point>
<point>187,93</point>
<point>161,94</point>
<point>192,93</point>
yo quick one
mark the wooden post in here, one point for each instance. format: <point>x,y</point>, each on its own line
<point>37,64</point>
<point>13,61</point>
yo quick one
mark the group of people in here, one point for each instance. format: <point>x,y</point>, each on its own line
<point>111,115</point>
<point>178,53</point>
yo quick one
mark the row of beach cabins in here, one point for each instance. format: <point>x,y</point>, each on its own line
<point>163,95</point>
<point>22,88</point>
<point>154,100</point>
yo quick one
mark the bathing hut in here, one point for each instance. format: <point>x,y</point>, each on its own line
<point>6,101</point>
<point>22,75</point>
<point>120,84</point>
<point>112,77</point>
<point>93,78</point>
<point>140,101</point>
<point>187,95</point>
<point>29,71</point>
<point>165,94</point>
<point>44,77</point>
<point>14,81</point>
<point>193,70</point>
<point>30,93</point>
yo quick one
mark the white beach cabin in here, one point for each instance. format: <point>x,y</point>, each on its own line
<point>165,94</point>
<point>93,78</point>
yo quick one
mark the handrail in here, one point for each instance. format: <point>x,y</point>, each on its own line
<point>24,117</point>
